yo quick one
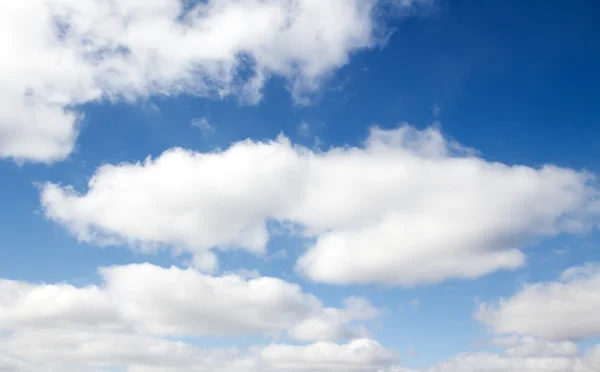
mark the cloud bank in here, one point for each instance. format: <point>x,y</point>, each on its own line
<point>408,207</point>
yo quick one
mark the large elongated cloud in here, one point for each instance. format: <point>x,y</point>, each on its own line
<point>72,351</point>
<point>409,207</point>
<point>63,53</point>
<point>166,302</point>
<point>566,309</point>
<point>137,318</point>
<point>79,351</point>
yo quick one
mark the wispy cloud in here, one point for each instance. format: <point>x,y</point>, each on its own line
<point>204,125</point>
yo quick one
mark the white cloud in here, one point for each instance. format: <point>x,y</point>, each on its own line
<point>138,353</point>
<point>530,347</point>
<point>592,356</point>
<point>331,324</point>
<point>81,351</point>
<point>9,364</point>
<point>561,310</point>
<point>507,361</point>
<point>358,355</point>
<point>58,327</point>
<point>120,324</point>
<point>159,301</point>
<point>204,125</point>
<point>65,328</point>
<point>104,349</point>
<point>25,305</point>
<point>546,310</point>
<point>409,207</point>
<point>477,362</point>
<point>63,53</point>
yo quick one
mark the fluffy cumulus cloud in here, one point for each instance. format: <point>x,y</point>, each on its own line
<point>71,350</point>
<point>556,313</point>
<point>65,53</point>
<point>408,207</point>
<point>94,352</point>
<point>123,323</point>
<point>137,317</point>
<point>165,302</point>
<point>566,309</point>
<point>332,323</point>
<point>358,355</point>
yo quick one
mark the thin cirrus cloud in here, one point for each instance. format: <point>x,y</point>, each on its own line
<point>65,53</point>
<point>408,207</point>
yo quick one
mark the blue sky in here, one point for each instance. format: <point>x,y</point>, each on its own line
<point>515,82</point>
